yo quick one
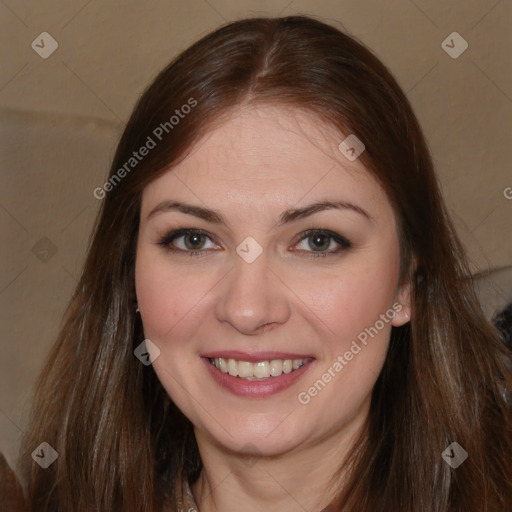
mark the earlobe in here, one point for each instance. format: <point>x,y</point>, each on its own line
<point>402,306</point>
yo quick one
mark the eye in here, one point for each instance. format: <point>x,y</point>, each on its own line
<point>320,240</point>
<point>192,243</point>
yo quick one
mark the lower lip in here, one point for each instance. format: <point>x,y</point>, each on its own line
<point>256,388</point>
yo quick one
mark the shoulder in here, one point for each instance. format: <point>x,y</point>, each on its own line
<point>11,494</point>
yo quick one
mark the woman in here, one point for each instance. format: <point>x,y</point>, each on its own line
<point>275,310</point>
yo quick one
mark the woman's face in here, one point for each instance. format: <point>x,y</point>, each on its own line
<point>269,283</point>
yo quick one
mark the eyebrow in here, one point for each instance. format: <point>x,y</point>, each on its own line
<point>287,216</point>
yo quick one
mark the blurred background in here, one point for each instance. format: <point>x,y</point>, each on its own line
<point>72,71</point>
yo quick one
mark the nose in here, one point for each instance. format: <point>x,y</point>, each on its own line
<point>252,298</point>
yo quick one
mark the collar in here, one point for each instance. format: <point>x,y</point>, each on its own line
<point>186,501</point>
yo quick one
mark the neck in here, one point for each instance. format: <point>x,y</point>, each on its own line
<point>299,479</point>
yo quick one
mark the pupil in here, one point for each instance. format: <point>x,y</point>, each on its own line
<point>318,238</point>
<point>196,240</point>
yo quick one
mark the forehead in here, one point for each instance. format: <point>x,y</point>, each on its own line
<point>264,151</point>
<point>263,137</point>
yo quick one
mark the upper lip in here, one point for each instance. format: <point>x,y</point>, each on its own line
<point>255,357</point>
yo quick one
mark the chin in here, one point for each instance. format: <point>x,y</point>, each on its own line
<point>259,440</point>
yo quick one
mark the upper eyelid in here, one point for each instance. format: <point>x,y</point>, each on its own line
<point>173,234</point>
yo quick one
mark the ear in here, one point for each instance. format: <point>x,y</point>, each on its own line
<point>402,305</point>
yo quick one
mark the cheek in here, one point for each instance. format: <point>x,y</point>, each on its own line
<point>354,345</point>
<point>355,341</point>
<point>350,302</point>
<point>165,299</point>
<point>170,308</point>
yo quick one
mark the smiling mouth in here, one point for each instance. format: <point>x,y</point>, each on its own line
<point>261,370</point>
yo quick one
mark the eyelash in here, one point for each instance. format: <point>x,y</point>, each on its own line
<point>166,240</point>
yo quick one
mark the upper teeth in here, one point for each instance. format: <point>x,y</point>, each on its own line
<point>259,370</point>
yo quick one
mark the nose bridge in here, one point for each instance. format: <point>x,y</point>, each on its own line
<point>252,296</point>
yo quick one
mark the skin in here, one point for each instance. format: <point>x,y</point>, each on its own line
<point>255,165</point>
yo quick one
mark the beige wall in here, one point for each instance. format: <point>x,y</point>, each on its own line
<point>61,117</point>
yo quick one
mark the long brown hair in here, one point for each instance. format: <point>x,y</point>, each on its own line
<point>122,443</point>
